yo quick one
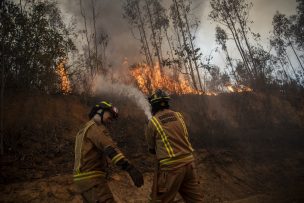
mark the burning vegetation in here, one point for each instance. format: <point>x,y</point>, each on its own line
<point>149,78</point>
<point>65,86</point>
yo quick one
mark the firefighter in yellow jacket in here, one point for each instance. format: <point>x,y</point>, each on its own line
<point>168,139</point>
<point>93,145</point>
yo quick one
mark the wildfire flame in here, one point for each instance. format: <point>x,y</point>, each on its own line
<point>65,82</point>
<point>149,79</point>
<point>238,89</point>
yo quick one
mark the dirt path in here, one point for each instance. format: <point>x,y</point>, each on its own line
<point>224,179</point>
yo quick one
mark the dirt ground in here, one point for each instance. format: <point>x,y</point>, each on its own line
<point>224,178</point>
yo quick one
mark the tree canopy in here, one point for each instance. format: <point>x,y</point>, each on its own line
<point>34,39</point>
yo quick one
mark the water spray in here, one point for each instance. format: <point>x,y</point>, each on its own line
<point>104,85</point>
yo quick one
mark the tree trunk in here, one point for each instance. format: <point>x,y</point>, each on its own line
<point>95,35</point>
<point>185,45</point>
<point>192,47</point>
<point>145,36</point>
<point>232,27</point>
<point>87,37</point>
<point>239,46</point>
<point>103,54</point>
<point>160,40</point>
<point>247,43</point>
<point>169,44</point>
<point>295,53</point>
<point>285,73</point>
<point>175,73</point>
<point>180,60</point>
<point>293,69</point>
<point>231,66</point>
<point>144,47</point>
<point>154,43</point>
<point>2,104</point>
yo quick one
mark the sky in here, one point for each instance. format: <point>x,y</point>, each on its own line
<point>261,13</point>
<point>123,45</point>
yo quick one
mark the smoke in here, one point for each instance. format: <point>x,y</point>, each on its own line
<point>110,21</point>
<point>103,85</point>
<point>123,44</point>
<point>123,41</point>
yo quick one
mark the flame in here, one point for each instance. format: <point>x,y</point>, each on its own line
<point>149,79</point>
<point>238,88</point>
<point>65,82</point>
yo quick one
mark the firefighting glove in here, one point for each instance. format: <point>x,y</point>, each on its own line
<point>136,176</point>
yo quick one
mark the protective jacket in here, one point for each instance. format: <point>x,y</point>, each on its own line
<point>93,146</point>
<point>168,137</point>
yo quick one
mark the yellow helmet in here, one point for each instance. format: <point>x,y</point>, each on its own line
<point>158,96</point>
<point>104,106</point>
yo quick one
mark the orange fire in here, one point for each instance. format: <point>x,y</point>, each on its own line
<point>238,88</point>
<point>65,82</point>
<point>149,79</point>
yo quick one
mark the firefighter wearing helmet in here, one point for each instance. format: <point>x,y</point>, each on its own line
<point>168,139</point>
<point>93,145</point>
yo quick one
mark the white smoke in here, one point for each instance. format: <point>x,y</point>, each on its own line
<point>105,85</point>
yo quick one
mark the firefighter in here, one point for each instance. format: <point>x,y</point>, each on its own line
<point>167,137</point>
<point>93,145</point>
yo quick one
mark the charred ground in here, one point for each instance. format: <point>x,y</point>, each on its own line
<point>249,146</point>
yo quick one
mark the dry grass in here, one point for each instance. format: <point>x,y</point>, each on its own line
<point>249,147</point>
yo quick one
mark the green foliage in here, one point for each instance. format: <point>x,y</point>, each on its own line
<point>33,40</point>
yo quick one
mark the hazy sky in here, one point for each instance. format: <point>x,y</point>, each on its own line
<point>122,43</point>
<point>261,13</point>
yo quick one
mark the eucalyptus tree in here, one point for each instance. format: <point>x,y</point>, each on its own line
<point>96,40</point>
<point>133,13</point>
<point>282,56</point>
<point>185,48</point>
<point>157,22</point>
<point>221,38</point>
<point>299,28</point>
<point>233,15</point>
<point>283,31</point>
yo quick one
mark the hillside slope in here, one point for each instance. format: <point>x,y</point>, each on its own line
<point>249,147</point>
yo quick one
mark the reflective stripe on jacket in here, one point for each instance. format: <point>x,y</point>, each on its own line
<point>90,156</point>
<point>88,175</point>
<point>185,158</point>
<point>168,135</point>
<point>78,145</point>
